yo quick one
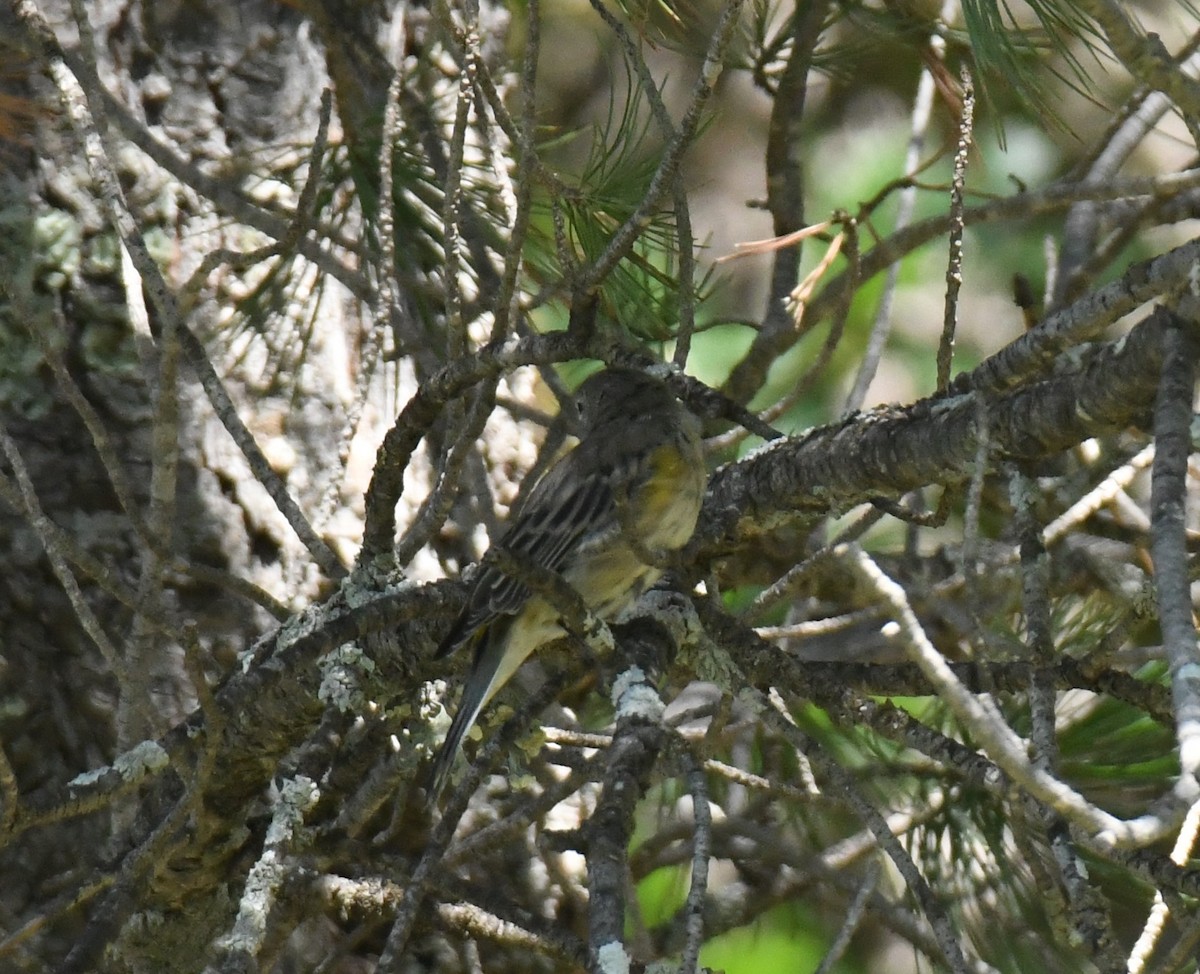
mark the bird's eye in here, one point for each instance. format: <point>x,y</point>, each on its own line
<point>579,414</point>
<point>590,407</point>
<point>587,406</point>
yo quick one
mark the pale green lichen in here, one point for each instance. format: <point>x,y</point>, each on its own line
<point>139,761</point>
<point>342,672</point>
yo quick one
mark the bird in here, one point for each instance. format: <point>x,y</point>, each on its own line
<point>602,516</point>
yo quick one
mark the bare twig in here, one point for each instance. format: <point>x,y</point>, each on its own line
<point>665,174</point>
<point>1172,434</point>
<point>987,726</point>
<point>434,850</point>
<point>1140,953</point>
<point>701,850</point>
<point>1099,496</point>
<point>42,526</point>
<point>853,918</point>
<point>637,740</point>
<point>966,124</point>
<point>881,325</point>
<point>452,199</point>
<point>241,946</point>
<point>935,913</point>
<point>1145,58</point>
<point>1089,913</point>
<point>436,506</point>
<point>507,304</point>
<point>1022,206</point>
<point>421,411</point>
<point>97,430</point>
<point>785,196</point>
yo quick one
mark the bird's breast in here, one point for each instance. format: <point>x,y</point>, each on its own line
<point>668,504</point>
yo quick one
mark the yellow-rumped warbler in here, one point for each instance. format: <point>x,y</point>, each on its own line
<point>633,485</point>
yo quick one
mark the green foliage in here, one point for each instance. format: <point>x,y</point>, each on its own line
<point>574,224</point>
<point>782,941</point>
<point>662,893</point>
<point>1008,55</point>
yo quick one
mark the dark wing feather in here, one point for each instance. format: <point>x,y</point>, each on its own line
<point>549,525</point>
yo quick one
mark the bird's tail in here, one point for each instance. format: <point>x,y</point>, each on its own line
<point>476,692</point>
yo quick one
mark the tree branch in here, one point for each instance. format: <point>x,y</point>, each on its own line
<point>892,450</point>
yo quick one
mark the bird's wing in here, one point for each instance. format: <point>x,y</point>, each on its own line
<point>571,499</point>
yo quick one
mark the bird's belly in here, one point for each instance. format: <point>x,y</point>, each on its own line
<point>666,509</point>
